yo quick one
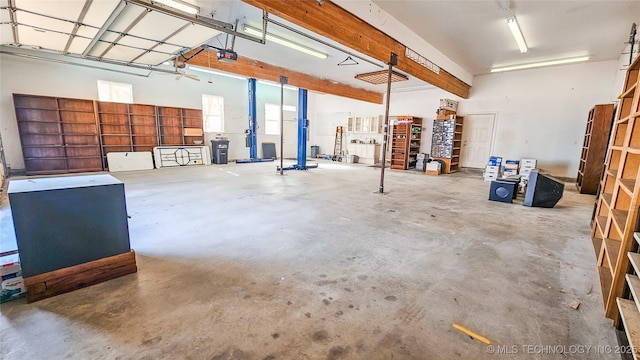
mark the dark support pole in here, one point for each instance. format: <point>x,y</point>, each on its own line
<point>303,124</point>
<point>392,61</point>
<point>253,127</point>
<point>283,80</point>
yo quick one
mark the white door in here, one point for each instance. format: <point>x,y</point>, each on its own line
<point>290,135</point>
<point>477,140</point>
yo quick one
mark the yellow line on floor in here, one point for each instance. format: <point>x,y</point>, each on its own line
<point>472,334</point>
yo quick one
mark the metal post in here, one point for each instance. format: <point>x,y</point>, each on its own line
<point>283,80</point>
<point>253,124</point>
<point>392,61</point>
<point>303,124</point>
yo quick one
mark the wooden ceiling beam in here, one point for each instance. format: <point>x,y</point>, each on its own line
<point>333,22</point>
<point>260,70</point>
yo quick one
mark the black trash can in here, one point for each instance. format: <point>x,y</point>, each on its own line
<point>219,151</point>
<point>315,149</point>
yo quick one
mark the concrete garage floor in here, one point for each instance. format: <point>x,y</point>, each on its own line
<point>236,262</point>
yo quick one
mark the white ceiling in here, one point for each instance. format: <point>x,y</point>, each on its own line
<point>472,33</point>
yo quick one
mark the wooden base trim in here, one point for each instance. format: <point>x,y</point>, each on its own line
<point>64,280</point>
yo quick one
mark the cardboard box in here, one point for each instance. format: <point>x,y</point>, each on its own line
<point>12,282</point>
<point>445,117</point>
<point>508,172</point>
<point>512,164</point>
<point>528,163</point>
<point>495,161</point>
<point>432,172</point>
<point>449,104</point>
<point>433,166</point>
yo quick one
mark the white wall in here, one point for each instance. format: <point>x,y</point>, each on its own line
<point>423,103</point>
<point>27,76</point>
<point>541,113</point>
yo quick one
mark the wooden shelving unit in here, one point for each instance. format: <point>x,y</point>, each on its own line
<point>115,128</point>
<point>144,127</point>
<point>74,135</point>
<point>594,148</point>
<point>170,126</point>
<point>192,127</point>
<point>617,204</point>
<point>446,141</point>
<point>58,135</point>
<point>405,142</point>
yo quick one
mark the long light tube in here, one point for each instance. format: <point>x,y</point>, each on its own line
<point>282,41</point>
<point>180,5</point>
<point>517,34</point>
<point>540,64</point>
<point>209,71</point>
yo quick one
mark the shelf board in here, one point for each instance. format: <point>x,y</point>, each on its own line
<point>612,172</point>
<point>616,147</point>
<point>634,285</point>
<point>634,260</point>
<point>623,120</point>
<point>620,218</point>
<point>612,248</point>
<point>629,93</point>
<point>597,245</point>
<point>628,185</point>
<point>602,222</point>
<point>607,199</point>
<point>631,319</point>
<point>636,236</point>
<point>633,150</point>
<point>605,283</point>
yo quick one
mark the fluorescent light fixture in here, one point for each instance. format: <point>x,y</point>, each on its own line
<point>209,71</point>
<point>288,43</point>
<point>517,34</point>
<point>269,83</point>
<point>180,5</point>
<point>540,64</point>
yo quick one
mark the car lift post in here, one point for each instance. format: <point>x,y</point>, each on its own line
<point>252,132</point>
<point>303,129</point>
<point>253,127</point>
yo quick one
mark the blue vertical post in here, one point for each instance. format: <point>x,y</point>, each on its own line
<point>303,124</point>
<point>253,126</point>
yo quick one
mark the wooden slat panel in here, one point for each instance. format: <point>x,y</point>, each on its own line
<point>261,70</point>
<point>37,115</point>
<point>75,277</point>
<point>34,102</point>
<point>335,23</point>
<point>76,105</point>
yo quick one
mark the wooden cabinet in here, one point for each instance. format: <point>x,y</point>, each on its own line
<point>594,148</point>
<point>366,153</point>
<point>58,135</point>
<point>365,124</point>
<point>617,205</point>
<point>405,142</point>
<point>446,141</point>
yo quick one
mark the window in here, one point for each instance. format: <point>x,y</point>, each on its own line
<point>272,117</point>
<point>115,92</point>
<point>213,113</point>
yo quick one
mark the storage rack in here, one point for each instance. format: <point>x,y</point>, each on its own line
<point>594,148</point>
<point>405,141</point>
<point>446,141</point>
<point>58,135</point>
<point>617,205</point>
